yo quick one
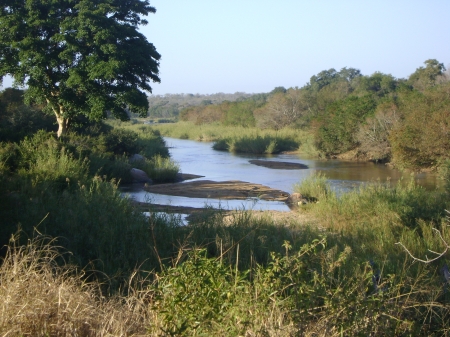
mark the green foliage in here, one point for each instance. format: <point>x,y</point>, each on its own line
<point>256,144</point>
<point>444,173</point>
<point>93,221</point>
<point>378,84</point>
<point>421,138</point>
<point>199,296</point>
<point>99,60</point>
<point>122,142</point>
<point>337,131</point>
<point>405,211</point>
<point>314,187</point>
<point>160,169</point>
<point>328,77</point>
<point>9,157</point>
<point>240,114</point>
<point>425,78</point>
<point>110,167</point>
<point>319,288</point>
<point>278,90</point>
<point>18,120</point>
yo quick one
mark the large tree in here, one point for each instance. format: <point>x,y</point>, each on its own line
<point>431,75</point>
<point>79,56</point>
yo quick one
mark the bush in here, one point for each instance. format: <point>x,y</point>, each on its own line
<point>18,120</point>
<point>256,144</point>
<point>421,139</point>
<point>9,157</point>
<point>337,133</point>
<point>121,141</point>
<point>444,173</point>
<point>160,169</point>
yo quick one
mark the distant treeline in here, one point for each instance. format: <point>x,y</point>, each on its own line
<point>170,105</point>
<point>373,117</point>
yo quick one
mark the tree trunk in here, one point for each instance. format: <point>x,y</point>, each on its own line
<point>63,124</point>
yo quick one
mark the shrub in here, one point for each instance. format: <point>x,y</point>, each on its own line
<point>256,144</point>
<point>121,141</point>
<point>421,139</point>
<point>9,157</point>
<point>337,132</point>
<point>161,169</point>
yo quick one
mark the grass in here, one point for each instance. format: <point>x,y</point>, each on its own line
<point>378,215</point>
<point>42,297</point>
<point>160,169</point>
<point>317,289</point>
<point>243,139</point>
<point>258,145</point>
<point>110,270</point>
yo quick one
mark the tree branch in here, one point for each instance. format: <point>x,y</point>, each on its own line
<point>439,255</point>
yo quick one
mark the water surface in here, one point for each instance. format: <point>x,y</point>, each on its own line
<point>199,158</point>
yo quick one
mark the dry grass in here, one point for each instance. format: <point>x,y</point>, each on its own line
<point>43,296</point>
<point>40,298</point>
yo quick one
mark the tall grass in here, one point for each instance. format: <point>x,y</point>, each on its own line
<point>287,139</point>
<point>42,297</point>
<point>313,291</point>
<point>128,274</point>
<point>378,215</point>
<point>160,169</point>
<point>258,145</point>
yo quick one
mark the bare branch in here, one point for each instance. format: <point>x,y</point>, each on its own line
<point>439,255</point>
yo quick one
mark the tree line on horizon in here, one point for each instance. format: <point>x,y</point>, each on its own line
<point>374,117</point>
<point>370,117</point>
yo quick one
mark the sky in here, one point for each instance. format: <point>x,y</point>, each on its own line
<point>253,46</point>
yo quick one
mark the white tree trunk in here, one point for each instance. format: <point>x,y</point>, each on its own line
<point>63,122</point>
<point>62,125</point>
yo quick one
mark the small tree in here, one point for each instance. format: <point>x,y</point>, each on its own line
<point>79,56</point>
<point>282,109</point>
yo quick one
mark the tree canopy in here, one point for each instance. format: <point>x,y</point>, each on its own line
<point>424,78</point>
<point>79,56</point>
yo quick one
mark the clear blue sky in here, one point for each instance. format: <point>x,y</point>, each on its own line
<point>252,46</point>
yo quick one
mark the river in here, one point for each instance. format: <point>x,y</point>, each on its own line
<point>199,158</point>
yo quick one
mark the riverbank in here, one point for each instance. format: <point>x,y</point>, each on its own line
<point>85,253</point>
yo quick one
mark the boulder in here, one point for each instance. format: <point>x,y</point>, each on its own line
<point>294,198</point>
<point>136,157</point>
<point>139,176</point>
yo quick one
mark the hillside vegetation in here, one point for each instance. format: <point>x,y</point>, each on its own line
<point>369,117</point>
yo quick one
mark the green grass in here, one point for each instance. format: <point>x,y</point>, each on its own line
<point>258,145</point>
<point>243,139</point>
<point>337,273</point>
<point>377,216</point>
<point>160,169</point>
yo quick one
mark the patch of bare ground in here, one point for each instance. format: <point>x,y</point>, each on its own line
<point>279,217</point>
<point>293,217</point>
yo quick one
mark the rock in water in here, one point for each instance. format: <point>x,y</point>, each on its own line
<point>139,176</point>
